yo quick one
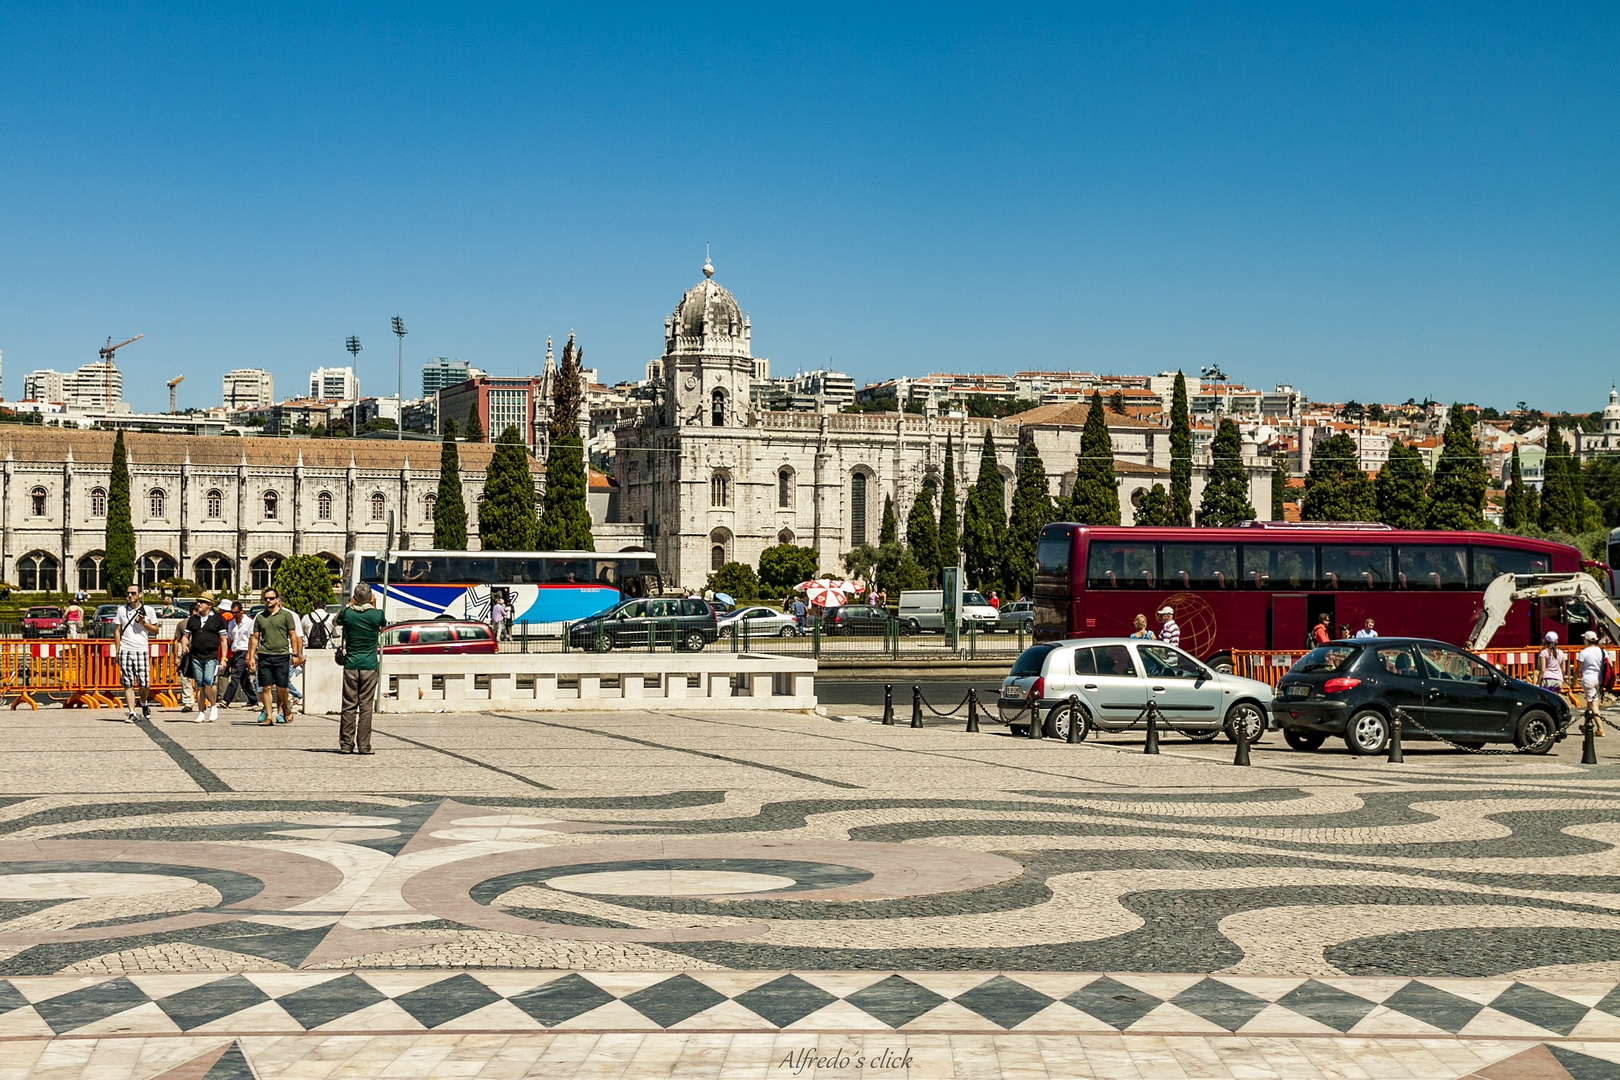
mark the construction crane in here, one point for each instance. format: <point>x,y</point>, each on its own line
<point>1501,593</point>
<point>174,382</point>
<point>107,351</point>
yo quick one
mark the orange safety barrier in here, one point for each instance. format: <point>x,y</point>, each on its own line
<point>1265,665</point>
<point>1269,665</point>
<point>81,674</point>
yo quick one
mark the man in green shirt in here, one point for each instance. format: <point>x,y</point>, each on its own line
<point>361,624</point>
<point>273,651</point>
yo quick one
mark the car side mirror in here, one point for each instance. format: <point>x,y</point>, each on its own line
<point>1493,680</point>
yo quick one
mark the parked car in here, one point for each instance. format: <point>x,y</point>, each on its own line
<point>1351,689</point>
<point>1016,615</point>
<point>685,622</point>
<point>924,609</point>
<point>856,619</point>
<point>1112,680</point>
<point>762,622</point>
<point>104,624</point>
<point>439,636</point>
<point>44,622</point>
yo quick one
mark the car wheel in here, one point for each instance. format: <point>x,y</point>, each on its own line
<point>786,631</point>
<point>1251,717</point>
<point>1303,740</point>
<point>1056,725</point>
<point>913,626</point>
<point>603,643</point>
<point>693,641</point>
<point>1222,663</point>
<point>1367,733</point>
<point>1536,733</point>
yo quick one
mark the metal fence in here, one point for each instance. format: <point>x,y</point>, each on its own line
<point>676,635</point>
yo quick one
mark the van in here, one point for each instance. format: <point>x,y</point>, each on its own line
<point>924,609</point>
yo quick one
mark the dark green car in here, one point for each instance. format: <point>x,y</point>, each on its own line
<point>667,623</point>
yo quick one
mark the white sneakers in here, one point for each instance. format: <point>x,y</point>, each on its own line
<point>213,713</point>
<point>202,717</point>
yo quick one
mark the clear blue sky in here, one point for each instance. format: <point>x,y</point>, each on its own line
<point>1377,202</point>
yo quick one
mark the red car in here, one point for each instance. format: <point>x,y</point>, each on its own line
<point>437,637</point>
<point>43,622</point>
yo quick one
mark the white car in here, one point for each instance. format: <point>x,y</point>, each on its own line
<point>1112,680</point>
<point>762,622</point>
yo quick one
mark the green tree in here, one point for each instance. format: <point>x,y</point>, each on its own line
<point>475,426</point>
<point>304,582</point>
<point>1560,490</point>
<point>565,521</point>
<point>1226,495</point>
<point>1515,506</point>
<point>567,393</point>
<point>736,580</point>
<point>449,506</point>
<point>922,534</point>
<point>1116,402</point>
<point>1279,484</point>
<point>1602,484</point>
<point>1153,508</point>
<point>506,519</point>
<point>119,543</point>
<point>782,566</point>
<point>1031,509</point>
<point>1095,498</point>
<point>1401,489</point>
<point>1457,492</point>
<point>1335,487</point>
<point>1180,455</point>
<point>949,550</point>
<point>888,530</point>
<point>984,524</point>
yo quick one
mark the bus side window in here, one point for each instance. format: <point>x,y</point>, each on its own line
<point>1491,562</point>
<point>1200,566</point>
<point>1357,566</point>
<point>1122,566</point>
<point>1279,566</point>
<point>1433,566</point>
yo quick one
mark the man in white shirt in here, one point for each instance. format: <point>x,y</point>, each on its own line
<point>241,633</point>
<point>1169,629</point>
<point>1589,669</point>
<point>135,625</point>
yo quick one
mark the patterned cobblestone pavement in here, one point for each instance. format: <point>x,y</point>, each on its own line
<point>764,894</point>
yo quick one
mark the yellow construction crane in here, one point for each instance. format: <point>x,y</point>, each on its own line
<point>174,382</point>
<point>107,351</point>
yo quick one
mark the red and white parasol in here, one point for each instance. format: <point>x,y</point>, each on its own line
<point>830,592</point>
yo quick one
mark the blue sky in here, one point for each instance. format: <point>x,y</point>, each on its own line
<point>1368,201</point>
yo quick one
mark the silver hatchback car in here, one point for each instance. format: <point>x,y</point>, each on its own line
<point>1112,681</point>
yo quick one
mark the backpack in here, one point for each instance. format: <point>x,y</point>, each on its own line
<point>1607,674</point>
<point>319,637</point>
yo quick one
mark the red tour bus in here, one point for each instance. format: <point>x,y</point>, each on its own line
<point>1263,586</point>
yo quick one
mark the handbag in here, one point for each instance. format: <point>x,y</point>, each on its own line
<point>341,655</point>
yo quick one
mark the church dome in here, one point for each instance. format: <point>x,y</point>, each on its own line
<point>708,319</point>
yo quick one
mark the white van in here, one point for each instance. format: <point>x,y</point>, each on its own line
<point>924,609</point>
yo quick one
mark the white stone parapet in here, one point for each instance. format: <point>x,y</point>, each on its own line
<point>554,682</point>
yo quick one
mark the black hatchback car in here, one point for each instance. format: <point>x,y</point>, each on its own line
<point>1351,689</point>
<point>856,619</point>
<point>674,622</point>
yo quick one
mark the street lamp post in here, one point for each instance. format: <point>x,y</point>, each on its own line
<point>399,387</point>
<point>354,347</point>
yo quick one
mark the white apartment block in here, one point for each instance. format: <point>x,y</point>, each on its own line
<point>249,388</point>
<point>45,385</point>
<point>334,384</point>
<point>96,386</point>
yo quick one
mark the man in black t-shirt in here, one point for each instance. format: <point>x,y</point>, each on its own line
<point>203,648</point>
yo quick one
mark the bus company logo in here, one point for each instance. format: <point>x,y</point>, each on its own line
<point>1196,618</point>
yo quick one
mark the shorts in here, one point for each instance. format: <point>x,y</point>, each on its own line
<point>134,669</point>
<point>201,670</point>
<point>274,671</point>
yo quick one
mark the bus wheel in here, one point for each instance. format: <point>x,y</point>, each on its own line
<point>1252,719</point>
<point>1535,733</point>
<point>693,642</point>
<point>1367,733</point>
<point>1303,740</point>
<point>1222,663</point>
<point>1058,721</point>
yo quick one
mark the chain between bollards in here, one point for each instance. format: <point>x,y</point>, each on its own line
<point>973,710</point>
<point>1152,744</point>
<point>1074,719</point>
<point>916,706</point>
<point>1395,755</point>
<point>888,705</point>
<point>1240,735</point>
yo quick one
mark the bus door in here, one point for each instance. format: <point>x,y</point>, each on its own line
<point>1317,605</point>
<point>1288,623</point>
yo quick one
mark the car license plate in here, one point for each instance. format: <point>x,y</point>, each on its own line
<point>1299,691</point>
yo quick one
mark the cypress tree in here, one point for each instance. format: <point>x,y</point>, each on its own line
<point>1180,455</point>
<point>1031,508</point>
<point>949,550</point>
<point>1402,488</point>
<point>449,506</point>
<point>1457,492</point>
<point>565,521</point>
<point>1560,494</point>
<point>1335,488</point>
<point>1153,508</point>
<point>1515,507</point>
<point>984,525</point>
<point>1226,495</point>
<point>1095,498</point>
<point>506,520</point>
<point>475,426</point>
<point>1279,485</point>
<point>569,392</point>
<point>888,532</point>
<point>922,534</point>
<point>119,544</point>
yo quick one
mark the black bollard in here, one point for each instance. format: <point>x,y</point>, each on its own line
<point>916,706</point>
<point>1589,743</point>
<point>888,705</point>
<point>973,710</point>
<point>1395,755</point>
<point>1074,719</point>
<point>1035,721</point>
<point>1241,731</point>
<point>1152,744</point>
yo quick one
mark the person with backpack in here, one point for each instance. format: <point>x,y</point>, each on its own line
<point>317,628</point>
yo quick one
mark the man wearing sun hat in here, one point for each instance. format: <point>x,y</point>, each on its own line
<point>202,649</point>
<point>1169,629</point>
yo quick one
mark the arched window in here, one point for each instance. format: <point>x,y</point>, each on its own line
<point>155,503</point>
<point>717,401</point>
<point>430,505</point>
<point>785,536</point>
<point>213,572</point>
<point>717,556</point>
<point>262,570</point>
<point>784,489</point>
<point>719,548</point>
<point>272,503</point>
<point>719,489</point>
<point>323,506</point>
<point>36,572</point>
<point>36,502</point>
<point>98,502</point>
<point>857,508</point>
<point>379,506</point>
<point>92,577</point>
<point>334,566</point>
<point>215,503</point>
<point>154,567</point>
